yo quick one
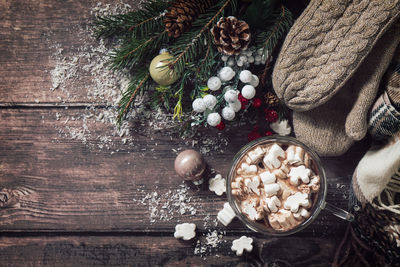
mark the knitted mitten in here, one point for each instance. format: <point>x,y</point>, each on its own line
<point>330,129</point>
<point>326,46</point>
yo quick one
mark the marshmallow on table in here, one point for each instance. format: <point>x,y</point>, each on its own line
<point>273,203</point>
<point>299,173</point>
<point>294,202</point>
<point>241,244</point>
<point>271,159</point>
<point>226,215</point>
<point>217,185</point>
<point>186,231</point>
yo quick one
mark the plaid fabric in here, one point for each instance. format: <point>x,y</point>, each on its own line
<point>384,119</point>
<point>393,85</point>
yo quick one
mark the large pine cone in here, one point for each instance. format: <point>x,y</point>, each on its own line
<point>231,35</point>
<point>182,13</point>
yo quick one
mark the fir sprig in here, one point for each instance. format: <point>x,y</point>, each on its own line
<point>139,82</point>
<point>191,45</point>
<point>281,21</point>
<point>138,23</point>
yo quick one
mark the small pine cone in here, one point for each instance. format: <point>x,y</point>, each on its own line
<point>271,99</point>
<point>231,35</point>
<point>182,13</point>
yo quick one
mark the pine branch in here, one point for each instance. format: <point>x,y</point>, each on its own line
<point>282,21</point>
<point>138,23</point>
<point>189,47</point>
<point>137,83</point>
<point>136,51</point>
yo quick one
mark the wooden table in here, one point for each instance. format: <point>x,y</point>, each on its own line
<point>67,201</point>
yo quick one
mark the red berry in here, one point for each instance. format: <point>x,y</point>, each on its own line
<point>253,136</point>
<point>243,101</point>
<point>271,115</point>
<point>256,128</point>
<point>257,102</point>
<point>268,133</point>
<point>220,126</point>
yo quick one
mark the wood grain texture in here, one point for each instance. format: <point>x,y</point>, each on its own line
<point>55,183</point>
<point>69,198</point>
<point>159,251</point>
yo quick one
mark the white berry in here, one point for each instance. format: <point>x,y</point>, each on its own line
<point>231,62</point>
<point>226,74</point>
<point>213,119</point>
<point>239,63</point>
<point>236,106</point>
<point>199,105</point>
<point>245,76</point>
<point>224,58</point>
<point>243,58</point>
<point>254,81</point>
<point>248,91</point>
<point>257,58</point>
<point>210,101</point>
<point>231,96</point>
<point>260,51</point>
<point>250,59</point>
<point>228,113</point>
<point>214,83</point>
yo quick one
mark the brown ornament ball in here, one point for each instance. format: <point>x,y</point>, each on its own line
<point>190,165</point>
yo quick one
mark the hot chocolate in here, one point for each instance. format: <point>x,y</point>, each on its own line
<point>276,185</point>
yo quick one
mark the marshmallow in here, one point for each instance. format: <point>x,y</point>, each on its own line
<point>247,169</point>
<point>295,154</point>
<point>252,184</point>
<point>251,209</point>
<point>271,189</point>
<point>236,186</point>
<point>241,244</point>
<point>255,155</point>
<point>217,185</point>
<point>299,173</point>
<point>282,219</point>
<point>302,213</point>
<point>281,127</point>
<point>267,177</point>
<point>282,172</point>
<point>271,159</point>
<point>226,215</point>
<point>293,202</point>
<point>273,203</point>
<point>186,231</point>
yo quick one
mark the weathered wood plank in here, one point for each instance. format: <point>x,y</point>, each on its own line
<point>54,183</point>
<point>160,251</point>
<point>38,37</point>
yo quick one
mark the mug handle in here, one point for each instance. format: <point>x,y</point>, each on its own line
<point>338,212</point>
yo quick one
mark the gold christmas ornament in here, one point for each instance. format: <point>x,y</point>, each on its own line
<point>160,71</point>
<point>231,35</point>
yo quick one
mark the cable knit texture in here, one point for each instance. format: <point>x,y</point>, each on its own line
<point>325,47</point>
<point>330,129</point>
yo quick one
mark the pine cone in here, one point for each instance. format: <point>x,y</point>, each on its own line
<point>182,13</point>
<point>271,99</point>
<point>231,35</point>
